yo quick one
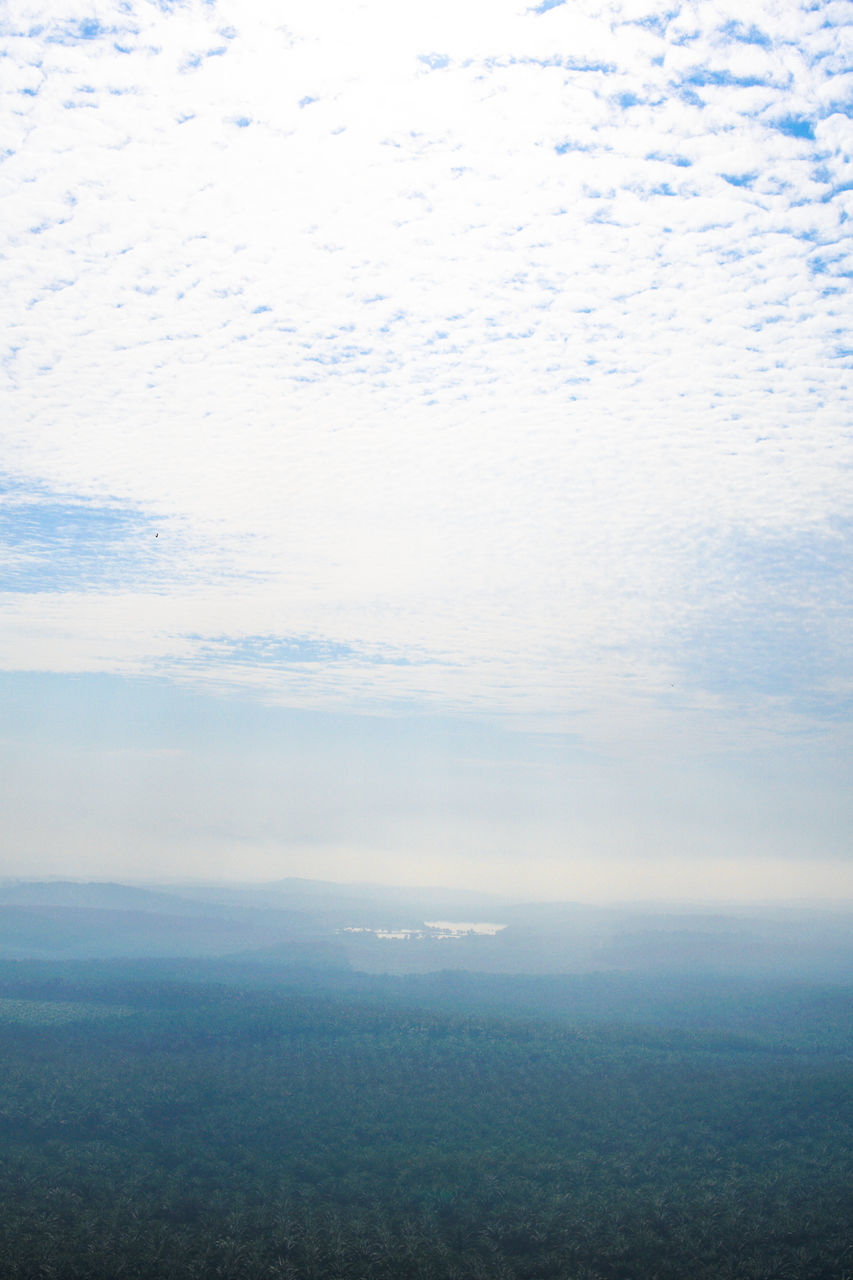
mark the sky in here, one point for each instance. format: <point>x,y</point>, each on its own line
<point>425,444</point>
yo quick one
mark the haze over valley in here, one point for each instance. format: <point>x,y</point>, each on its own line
<point>425,460</point>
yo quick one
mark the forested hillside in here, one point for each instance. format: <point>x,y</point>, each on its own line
<point>157,1127</point>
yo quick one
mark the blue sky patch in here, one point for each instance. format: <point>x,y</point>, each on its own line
<point>435,61</point>
<point>53,544</point>
<point>770,614</point>
<point>89,29</point>
<point>746,35</point>
<point>295,651</point>
<point>562,148</point>
<point>77,31</point>
<point>274,650</point>
<point>795,127</point>
<point>722,78</point>
<point>681,162</point>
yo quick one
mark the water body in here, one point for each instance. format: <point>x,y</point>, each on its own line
<point>433,931</point>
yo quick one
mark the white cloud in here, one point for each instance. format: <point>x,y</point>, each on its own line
<point>465,360</point>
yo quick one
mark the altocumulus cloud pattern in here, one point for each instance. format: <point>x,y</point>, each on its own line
<point>485,357</point>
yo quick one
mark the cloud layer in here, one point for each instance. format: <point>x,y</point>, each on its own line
<point>490,359</point>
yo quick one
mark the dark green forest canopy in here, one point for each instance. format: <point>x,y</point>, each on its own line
<point>182,1127</point>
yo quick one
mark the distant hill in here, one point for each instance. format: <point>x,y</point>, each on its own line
<point>49,932</point>
<point>380,929</point>
<point>101,895</point>
<point>339,905</point>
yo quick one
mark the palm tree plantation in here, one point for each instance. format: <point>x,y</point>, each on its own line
<point>246,1119</point>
